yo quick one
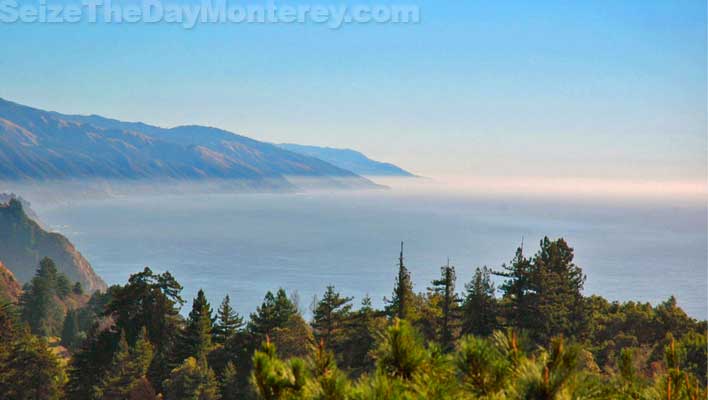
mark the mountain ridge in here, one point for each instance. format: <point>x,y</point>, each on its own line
<point>349,159</point>
<point>46,145</point>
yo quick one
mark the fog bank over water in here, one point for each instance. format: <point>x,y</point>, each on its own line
<point>645,246</point>
<point>625,191</point>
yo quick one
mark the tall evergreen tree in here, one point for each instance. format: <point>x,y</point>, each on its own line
<point>29,370</point>
<point>39,307</point>
<point>275,312</point>
<point>128,370</point>
<point>330,316</point>
<point>544,294</point>
<point>517,298</point>
<point>193,379</point>
<point>148,301</point>
<point>197,335</point>
<point>71,332</point>
<point>479,309</point>
<point>401,303</point>
<point>230,383</point>
<point>449,302</point>
<point>228,321</point>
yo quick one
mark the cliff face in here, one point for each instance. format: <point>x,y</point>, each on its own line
<point>23,243</point>
<point>10,289</point>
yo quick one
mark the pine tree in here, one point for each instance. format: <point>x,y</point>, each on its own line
<point>328,381</point>
<point>230,383</point>
<point>445,289</point>
<point>518,299</point>
<point>557,284</point>
<point>128,370</point>
<point>275,312</point>
<point>330,316</point>
<point>275,379</point>
<point>196,338</point>
<point>39,308</point>
<point>401,302</point>
<point>360,338</point>
<point>70,332</point>
<point>401,353</point>
<point>228,322</point>
<point>148,301</point>
<point>77,289</point>
<point>193,379</point>
<point>479,309</point>
<point>30,370</point>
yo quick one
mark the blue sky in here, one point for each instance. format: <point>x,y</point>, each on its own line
<point>601,90</point>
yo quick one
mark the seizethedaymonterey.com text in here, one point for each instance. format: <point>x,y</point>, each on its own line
<point>190,14</point>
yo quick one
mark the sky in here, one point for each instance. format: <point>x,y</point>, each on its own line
<point>601,90</point>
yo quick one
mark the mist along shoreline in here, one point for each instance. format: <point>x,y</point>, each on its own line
<point>245,241</point>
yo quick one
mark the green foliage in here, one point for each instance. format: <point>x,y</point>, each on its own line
<point>77,289</point>
<point>228,322</point>
<point>483,368</point>
<point>401,303</point>
<point>128,371</point>
<point>192,380</point>
<point>28,368</point>
<point>196,338</point>
<point>275,379</point>
<point>330,317</point>
<point>400,353</point>
<point>151,301</point>
<point>543,295</point>
<point>40,304</point>
<point>444,288</point>
<point>328,382</point>
<point>275,312</point>
<point>71,335</point>
<point>131,343</point>
<point>480,312</point>
<point>230,385</point>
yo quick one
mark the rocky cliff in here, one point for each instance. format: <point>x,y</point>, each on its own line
<point>23,243</point>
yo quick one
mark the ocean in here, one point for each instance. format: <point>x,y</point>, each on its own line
<point>246,244</point>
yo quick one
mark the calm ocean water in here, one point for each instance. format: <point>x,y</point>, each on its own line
<point>244,245</point>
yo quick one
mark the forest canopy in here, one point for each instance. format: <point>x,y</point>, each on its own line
<point>535,336</point>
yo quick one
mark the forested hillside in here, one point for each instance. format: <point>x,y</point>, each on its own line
<point>23,243</point>
<point>536,336</point>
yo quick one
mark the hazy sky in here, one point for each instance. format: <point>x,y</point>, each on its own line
<point>603,89</point>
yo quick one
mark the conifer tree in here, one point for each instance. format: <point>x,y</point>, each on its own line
<point>39,308</point>
<point>360,338</point>
<point>275,379</point>
<point>328,381</point>
<point>230,383</point>
<point>128,370</point>
<point>479,309</point>
<point>193,379</point>
<point>228,321</point>
<point>401,353</point>
<point>196,338</point>
<point>544,294</point>
<point>449,310</point>
<point>330,316</point>
<point>77,289</point>
<point>401,303</point>
<point>70,332</point>
<point>148,301</point>
<point>275,312</point>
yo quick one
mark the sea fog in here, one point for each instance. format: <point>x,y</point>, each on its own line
<point>637,244</point>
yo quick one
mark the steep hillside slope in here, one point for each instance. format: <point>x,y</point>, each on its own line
<point>348,159</point>
<point>41,145</point>
<point>10,289</point>
<point>23,243</point>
